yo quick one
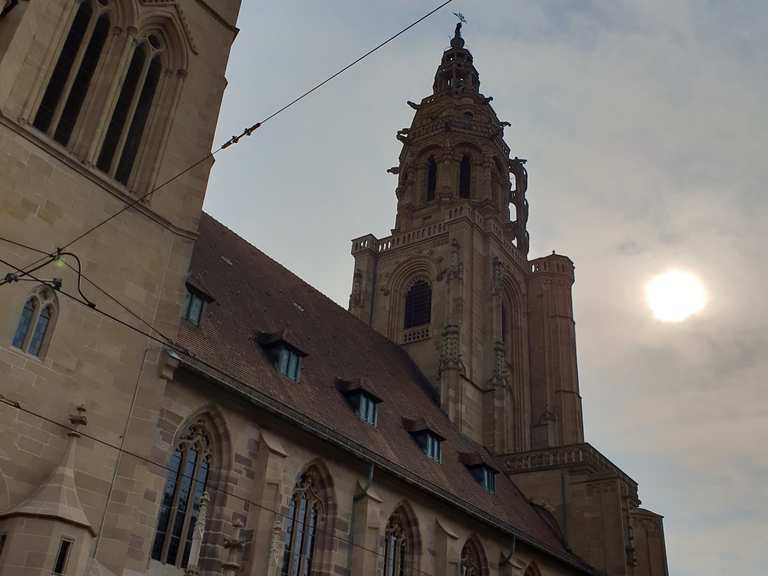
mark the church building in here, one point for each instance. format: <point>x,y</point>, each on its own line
<point>174,402</point>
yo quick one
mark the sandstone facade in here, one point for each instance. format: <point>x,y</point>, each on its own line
<point>189,452</point>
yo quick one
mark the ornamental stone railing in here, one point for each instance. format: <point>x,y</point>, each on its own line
<point>430,231</point>
<point>572,456</point>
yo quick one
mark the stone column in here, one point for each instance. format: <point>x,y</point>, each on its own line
<point>365,530</point>
<point>265,518</point>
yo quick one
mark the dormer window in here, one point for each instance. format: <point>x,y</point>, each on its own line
<point>429,444</point>
<point>286,358</point>
<point>365,406</point>
<point>360,394</point>
<point>287,362</point>
<point>194,305</point>
<point>486,476</point>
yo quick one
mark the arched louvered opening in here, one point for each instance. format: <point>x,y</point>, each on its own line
<point>418,304</point>
<point>129,121</point>
<point>71,78</point>
<point>186,482</point>
<point>465,177</point>
<point>36,321</point>
<point>431,179</point>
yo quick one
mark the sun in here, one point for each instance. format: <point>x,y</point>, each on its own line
<point>675,296</point>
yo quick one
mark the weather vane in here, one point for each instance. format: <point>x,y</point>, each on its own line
<point>460,16</point>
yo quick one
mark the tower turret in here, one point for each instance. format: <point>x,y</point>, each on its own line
<point>449,284</point>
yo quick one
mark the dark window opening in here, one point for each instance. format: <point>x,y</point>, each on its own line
<point>365,406</point>
<point>25,321</point>
<point>418,304</point>
<point>122,108</point>
<point>139,122</point>
<point>486,476</point>
<point>430,445</point>
<point>61,557</point>
<point>431,179</point>
<point>82,81</point>
<point>193,308</point>
<point>3,538</point>
<point>63,68</point>
<point>287,362</point>
<point>465,176</point>
<point>504,328</point>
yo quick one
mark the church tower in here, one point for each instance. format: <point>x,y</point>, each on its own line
<point>453,285</point>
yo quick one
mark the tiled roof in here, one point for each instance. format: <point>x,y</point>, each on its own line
<point>254,295</point>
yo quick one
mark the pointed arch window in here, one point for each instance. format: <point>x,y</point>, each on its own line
<point>132,111</point>
<point>398,545</point>
<point>71,78</point>
<point>305,512</point>
<point>187,480</point>
<point>35,324</point>
<point>465,177</point>
<point>418,304</point>
<point>472,559</point>
<point>431,179</point>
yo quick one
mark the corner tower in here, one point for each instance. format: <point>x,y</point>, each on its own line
<point>451,283</point>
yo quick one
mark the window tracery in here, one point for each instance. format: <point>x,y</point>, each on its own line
<point>73,72</point>
<point>130,116</point>
<point>396,546</point>
<point>305,511</point>
<point>35,325</point>
<point>187,480</point>
<point>472,560</point>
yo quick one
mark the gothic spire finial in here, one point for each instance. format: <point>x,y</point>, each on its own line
<point>457,41</point>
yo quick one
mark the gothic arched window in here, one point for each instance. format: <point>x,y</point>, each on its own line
<point>129,118</point>
<point>472,559</point>
<point>399,545</point>
<point>185,484</point>
<point>35,325</point>
<point>418,304</point>
<point>305,512</point>
<point>465,177</point>
<point>71,77</point>
<point>431,179</point>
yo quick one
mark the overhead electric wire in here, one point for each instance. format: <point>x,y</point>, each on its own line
<point>235,139</point>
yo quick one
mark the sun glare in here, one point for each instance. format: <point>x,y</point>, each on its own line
<point>675,296</point>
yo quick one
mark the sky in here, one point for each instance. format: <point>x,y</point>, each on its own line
<point>645,130</point>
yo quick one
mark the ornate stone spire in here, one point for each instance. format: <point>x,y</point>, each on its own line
<point>456,74</point>
<point>57,497</point>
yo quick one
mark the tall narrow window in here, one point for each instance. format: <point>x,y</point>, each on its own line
<point>71,78</point>
<point>185,484</point>
<point>465,177</point>
<point>305,512</point>
<point>33,330</point>
<point>127,127</point>
<point>398,545</point>
<point>418,304</point>
<point>61,557</point>
<point>472,559</point>
<point>431,179</point>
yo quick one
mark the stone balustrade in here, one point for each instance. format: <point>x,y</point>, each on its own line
<point>574,455</point>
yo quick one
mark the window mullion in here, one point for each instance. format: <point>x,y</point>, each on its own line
<point>174,504</point>
<point>76,63</point>
<point>32,324</point>
<point>131,112</point>
<point>189,510</point>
